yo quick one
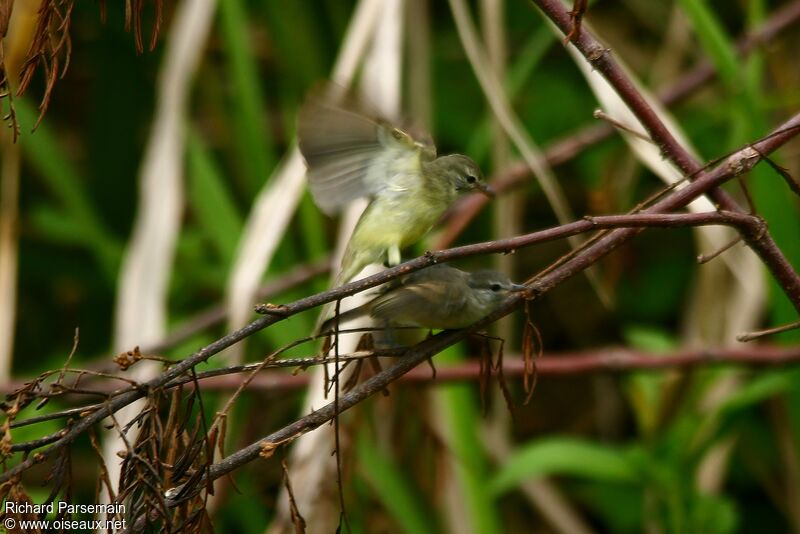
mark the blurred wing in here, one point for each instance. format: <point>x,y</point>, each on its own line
<point>423,140</point>
<point>425,298</point>
<point>350,155</point>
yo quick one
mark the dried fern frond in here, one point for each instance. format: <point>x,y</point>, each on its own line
<point>51,48</point>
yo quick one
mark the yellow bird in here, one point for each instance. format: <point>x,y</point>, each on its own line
<point>351,154</point>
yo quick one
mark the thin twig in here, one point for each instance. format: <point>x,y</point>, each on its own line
<point>705,258</point>
<point>571,145</point>
<point>561,364</point>
<point>602,61</point>
<point>746,223</point>
<point>750,336</point>
<point>217,314</point>
<point>589,362</point>
<point>603,360</point>
<point>602,115</point>
<point>750,226</point>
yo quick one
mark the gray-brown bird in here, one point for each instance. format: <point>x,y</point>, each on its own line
<point>437,297</point>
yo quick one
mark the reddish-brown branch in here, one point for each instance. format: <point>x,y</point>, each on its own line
<point>617,359</point>
<point>739,162</point>
<point>602,61</point>
<point>431,346</point>
<point>747,224</point>
<point>562,364</point>
<point>216,315</point>
<point>570,146</point>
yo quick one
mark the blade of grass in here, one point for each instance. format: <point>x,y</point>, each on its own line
<point>298,44</point>
<point>566,456</point>
<point>392,488</point>
<point>210,200</point>
<point>43,153</point>
<point>252,140</point>
<point>519,72</point>
<point>9,251</point>
<point>457,416</point>
<point>770,198</point>
<point>714,41</point>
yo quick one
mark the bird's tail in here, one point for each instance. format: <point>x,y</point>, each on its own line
<point>352,264</point>
<point>327,310</point>
<point>328,324</point>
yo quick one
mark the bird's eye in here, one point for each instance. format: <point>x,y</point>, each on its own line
<point>471,179</point>
<point>495,287</point>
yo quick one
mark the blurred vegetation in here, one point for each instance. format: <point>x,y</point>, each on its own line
<point>624,449</point>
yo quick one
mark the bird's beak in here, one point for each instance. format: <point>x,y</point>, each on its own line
<point>487,190</point>
<point>516,288</point>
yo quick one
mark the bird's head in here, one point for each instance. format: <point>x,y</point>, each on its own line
<point>462,174</point>
<point>491,288</point>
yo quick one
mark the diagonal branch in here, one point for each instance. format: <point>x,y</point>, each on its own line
<point>600,59</point>
<point>739,162</point>
<point>570,146</point>
<point>602,360</point>
<point>744,223</point>
<point>751,227</point>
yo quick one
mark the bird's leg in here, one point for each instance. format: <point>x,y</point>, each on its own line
<point>386,336</point>
<point>389,337</point>
<point>393,254</point>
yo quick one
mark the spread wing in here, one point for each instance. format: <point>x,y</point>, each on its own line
<point>350,155</point>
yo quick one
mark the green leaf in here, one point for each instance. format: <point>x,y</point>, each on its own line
<point>210,199</point>
<point>643,389</point>
<point>620,509</point>
<point>649,339</point>
<point>300,52</point>
<point>566,456</point>
<point>713,515</point>
<point>55,225</point>
<point>392,488</point>
<point>43,153</point>
<point>714,40</point>
<point>253,142</point>
<point>759,389</point>
<point>459,417</point>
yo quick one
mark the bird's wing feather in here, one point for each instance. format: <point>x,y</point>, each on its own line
<point>425,295</point>
<point>350,155</point>
<point>394,306</point>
